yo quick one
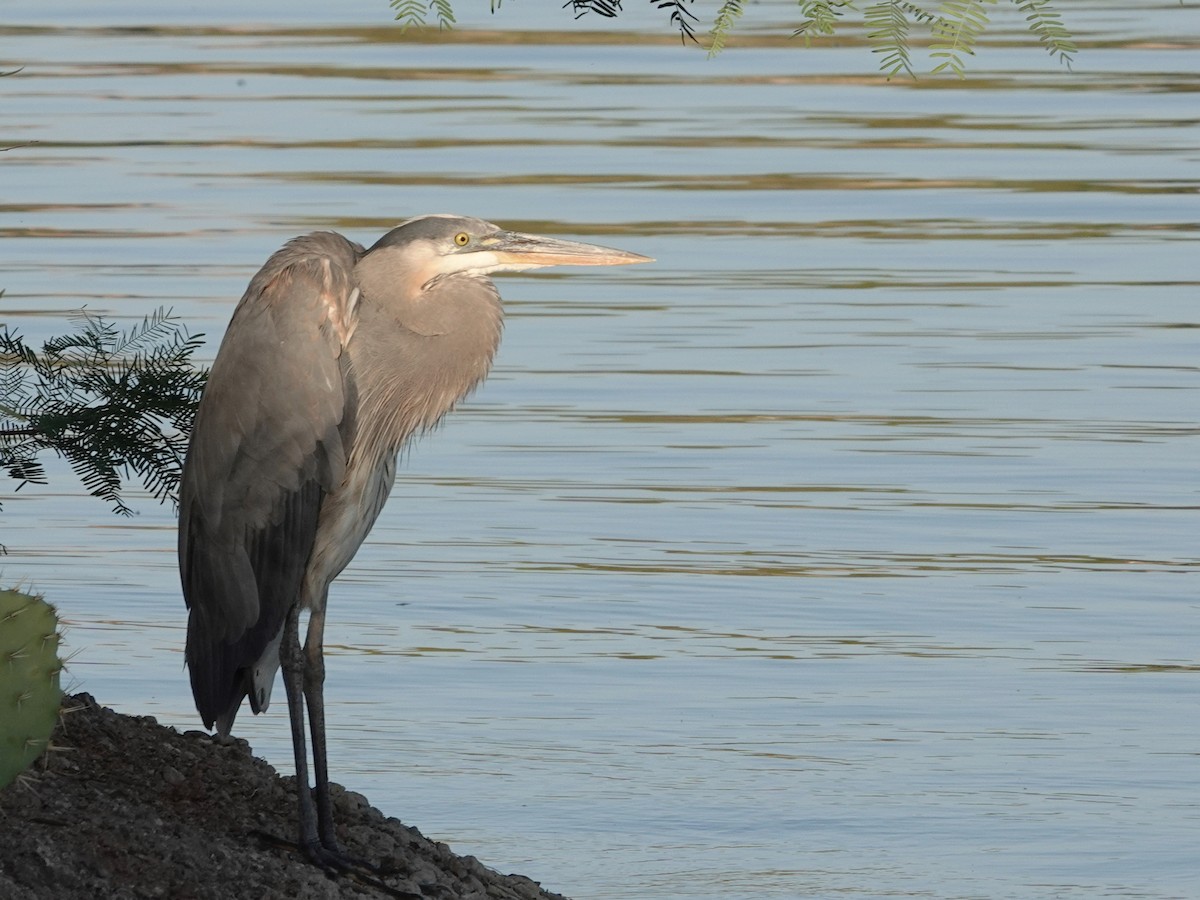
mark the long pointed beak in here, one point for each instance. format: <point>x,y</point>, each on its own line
<point>528,251</point>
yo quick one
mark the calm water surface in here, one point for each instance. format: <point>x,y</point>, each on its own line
<point>849,550</point>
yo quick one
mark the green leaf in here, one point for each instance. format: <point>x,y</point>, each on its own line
<point>409,13</point>
<point>111,403</point>
<point>727,16</point>
<point>445,15</point>
<point>956,32</point>
<point>1046,25</point>
<point>820,17</point>
<point>887,30</point>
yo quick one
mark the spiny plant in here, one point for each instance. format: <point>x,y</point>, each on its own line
<point>112,403</point>
<point>30,692</point>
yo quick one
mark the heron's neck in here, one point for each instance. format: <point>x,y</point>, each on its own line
<point>411,362</point>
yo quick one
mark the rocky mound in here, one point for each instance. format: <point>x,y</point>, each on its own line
<point>123,807</point>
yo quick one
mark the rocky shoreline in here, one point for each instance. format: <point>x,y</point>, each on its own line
<point>122,807</point>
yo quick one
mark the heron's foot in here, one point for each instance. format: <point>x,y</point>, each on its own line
<point>328,856</point>
<point>332,858</point>
<point>337,863</point>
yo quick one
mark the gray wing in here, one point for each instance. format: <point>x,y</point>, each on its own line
<point>269,443</point>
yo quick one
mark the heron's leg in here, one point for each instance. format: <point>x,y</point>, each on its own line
<point>314,693</point>
<point>291,660</point>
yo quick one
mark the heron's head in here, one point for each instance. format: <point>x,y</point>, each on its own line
<point>431,246</point>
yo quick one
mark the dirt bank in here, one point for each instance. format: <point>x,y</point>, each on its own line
<point>126,808</point>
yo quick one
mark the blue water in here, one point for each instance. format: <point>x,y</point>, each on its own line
<point>849,550</point>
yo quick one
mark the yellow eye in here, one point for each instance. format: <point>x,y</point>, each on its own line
<point>462,239</point>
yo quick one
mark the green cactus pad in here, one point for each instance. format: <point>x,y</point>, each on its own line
<point>30,694</point>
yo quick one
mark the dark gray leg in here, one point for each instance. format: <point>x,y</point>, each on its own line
<point>314,693</point>
<point>291,660</point>
<point>304,678</point>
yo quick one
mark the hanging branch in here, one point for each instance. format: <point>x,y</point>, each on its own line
<point>727,16</point>
<point>414,13</point>
<point>954,27</point>
<point>960,24</point>
<point>113,404</point>
<point>681,17</point>
<point>887,29</point>
<point>1047,24</point>
<point>820,17</point>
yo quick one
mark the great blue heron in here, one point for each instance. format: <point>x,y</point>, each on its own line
<point>335,357</point>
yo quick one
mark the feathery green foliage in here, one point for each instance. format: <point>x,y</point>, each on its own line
<point>112,403</point>
<point>820,17</point>
<point>414,13</point>
<point>957,31</point>
<point>1046,24</point>
<point>445,15</point>
<point>409,13</point>
<point>887,28</point>
<point>727,16</point>
<point>954,27</point>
